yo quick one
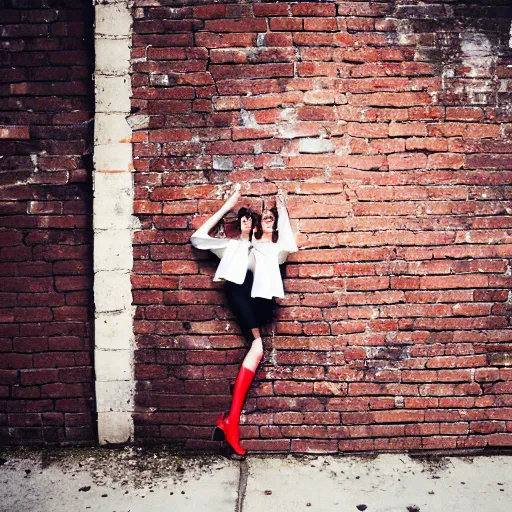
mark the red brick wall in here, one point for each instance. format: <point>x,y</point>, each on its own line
<point>46,102</point>
<point>395,332</point>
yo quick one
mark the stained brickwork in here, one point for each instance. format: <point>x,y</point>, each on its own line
<point>387,123</point>
<point>46,113</point>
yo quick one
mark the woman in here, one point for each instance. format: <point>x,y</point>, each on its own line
<point>253,279</point>
<point>234,259</point>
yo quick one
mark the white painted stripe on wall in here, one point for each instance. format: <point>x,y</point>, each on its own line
<point>113,223</point>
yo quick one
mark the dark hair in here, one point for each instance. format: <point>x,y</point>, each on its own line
<point>248,213</point>
<point>258,231</point>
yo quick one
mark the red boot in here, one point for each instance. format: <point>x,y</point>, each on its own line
<point>228,426</point>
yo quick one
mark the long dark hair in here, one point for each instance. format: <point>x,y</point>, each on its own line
<point>258,231</point>
<point>247,212</point>
<point>232,228</point>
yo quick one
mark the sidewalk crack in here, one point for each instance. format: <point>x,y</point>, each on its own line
<point>242,486</point>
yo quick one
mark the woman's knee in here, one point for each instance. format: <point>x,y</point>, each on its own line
<point>257,348</point>
<point>254,356</point>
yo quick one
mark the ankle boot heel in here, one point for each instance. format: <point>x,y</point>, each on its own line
<point>226,450</point>
<point>218,434</point>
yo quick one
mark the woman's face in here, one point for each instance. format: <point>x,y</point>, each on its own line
<point>246,225</point>
<point>267,221</point>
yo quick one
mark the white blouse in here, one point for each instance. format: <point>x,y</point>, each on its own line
<point>268,256</point>
<point>233,254</point>
<point>263,258</point>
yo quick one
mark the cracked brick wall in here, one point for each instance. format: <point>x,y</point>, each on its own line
<point>46,113</point>
<point>388,123</point>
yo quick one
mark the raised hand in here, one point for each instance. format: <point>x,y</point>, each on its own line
<point>235,195</point>
<point>281,198</point>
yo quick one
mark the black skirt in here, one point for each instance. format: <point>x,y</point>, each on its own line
<point>250,312</point>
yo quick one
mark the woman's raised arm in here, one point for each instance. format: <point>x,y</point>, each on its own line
<point>201,238</point>
<point>286,238</point>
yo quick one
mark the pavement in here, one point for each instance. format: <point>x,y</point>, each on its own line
<point>135,479</point>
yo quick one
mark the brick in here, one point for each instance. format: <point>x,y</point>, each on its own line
<point>366,162</point>
<point>72,283</point>
<point>77,374</point>
<point>285,24</point>
<point>319,98</point>
<point>446,161</point>
<point>320,24</point>
<point>486,161</point>
<point>8,377</point>
<point>150,371</point>
<point>464,114</point>
<point>462,281</point>
<point>384,99</point>
<point>427,143</point>
<point>25,420</point>
<point>54,360</point>
<point>250,133</point>
<point>209,11</point>
<point>60,390</point>
<point>313,9</point>
<point>272,100</point>
<point>239,26</point>
<point>222,72</point>
<point>456,362</point>
<point>14,132</point>
<point>407,130</point>
<point>67,405</point>
<point>327,69</point>
<point>210,40</point>
<point>174,267</point>
<point>279,39</point>
<point>147,207</point>
<point>407,161</point>
<point>384,146</point>
<point>30,344</point>
<point>74,313</point>
<point>367,130</point>
<point>355,445</point>
<point>168,107</point>
<point>169,135</point>
<point>313,446</point>
<point>16,361</point>
<point>398,416</point>
<point>270,9</point>
<point>361,24</point>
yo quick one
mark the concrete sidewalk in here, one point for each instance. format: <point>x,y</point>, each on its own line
<point>140,480</point>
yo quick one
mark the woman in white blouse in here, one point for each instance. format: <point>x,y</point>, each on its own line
<point>250,268</point>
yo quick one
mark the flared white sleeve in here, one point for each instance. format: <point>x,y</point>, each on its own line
<point>233,255</point>
<point>205,242</point>
<point>286,241</point>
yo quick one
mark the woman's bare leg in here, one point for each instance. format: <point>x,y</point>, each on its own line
<point>255,354</point>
